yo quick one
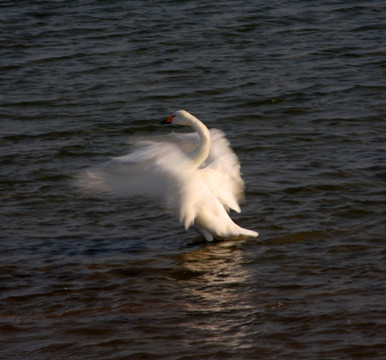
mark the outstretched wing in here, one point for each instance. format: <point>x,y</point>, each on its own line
<point>148,170</point>
<point>160,167</point>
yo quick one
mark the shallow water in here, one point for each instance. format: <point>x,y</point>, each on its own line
<point>299,90</point>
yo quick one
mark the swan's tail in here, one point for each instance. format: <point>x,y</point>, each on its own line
<point>246,232</point>
<point>233,231</point>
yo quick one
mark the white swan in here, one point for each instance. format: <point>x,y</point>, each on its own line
<point>196,173</point>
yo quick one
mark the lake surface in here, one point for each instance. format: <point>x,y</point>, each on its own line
<point>299,89</point>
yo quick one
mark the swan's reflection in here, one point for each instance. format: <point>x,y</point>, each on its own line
<point>216,292</point>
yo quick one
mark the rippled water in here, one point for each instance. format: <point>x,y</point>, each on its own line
<point>299,88</point>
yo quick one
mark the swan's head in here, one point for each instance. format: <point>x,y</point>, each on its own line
<point>180,117</point>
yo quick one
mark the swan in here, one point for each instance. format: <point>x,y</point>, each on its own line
<point>197,174</point>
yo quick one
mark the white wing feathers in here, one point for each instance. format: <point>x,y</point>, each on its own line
<point>160,167</point>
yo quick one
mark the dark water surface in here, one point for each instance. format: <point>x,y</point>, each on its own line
<point>299,88</point>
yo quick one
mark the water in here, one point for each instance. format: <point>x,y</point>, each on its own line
<point>299,88</point>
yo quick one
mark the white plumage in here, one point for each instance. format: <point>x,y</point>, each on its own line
<point>197,174</point>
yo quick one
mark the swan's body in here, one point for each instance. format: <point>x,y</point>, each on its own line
<point>196,173</point>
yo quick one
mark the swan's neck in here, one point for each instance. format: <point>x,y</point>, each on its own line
<point>201,153</point>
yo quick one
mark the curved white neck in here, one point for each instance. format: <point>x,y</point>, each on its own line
<point>201,153</point>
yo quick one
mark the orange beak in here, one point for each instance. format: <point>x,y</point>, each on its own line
<point>169,120</point>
